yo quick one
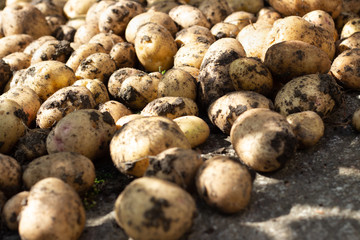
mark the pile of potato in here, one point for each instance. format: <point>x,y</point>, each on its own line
<point>140,82</point>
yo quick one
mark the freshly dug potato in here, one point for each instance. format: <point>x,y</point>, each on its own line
<point>177,83</point>
<point>152,208</point>
<point>83,52</point>
<point>215,10</point>
<point>53,210</point>
<point>155,47</point>
<point>125,119</point>
<point>288,7</point>
<point>52,50</point>
<point>34,45</point>
<point>250,74</point>
<point>263,139</point>
<point>17,60</point>
<point>171,107</point>
<point>63,102</point>
<point>12,127</point>
<point>132,145</point>
<point>246,5</point>
<point>315,92</point>
<point>346,68</point>
<point>267,16</point>
<point>32,145</point>
<point>160,18</point>
<point>192,70</point>
<point>96,87</point>
<point>49,7</point>
<point>350,28</point>
<point>93,14</point>
<point>123,53</point>
<point>322,19</point>
<point>116,109</point>
<point>64,32</point>
<point>12,209</point>
<point>187,16</point>
<point>77,8</point>
<point>301,59</point>
<point>107,40</point>
<point>307,126</point>
<point>23,16</point>
<point>73,168</point>
<point>351,42</point>
<point>194,34</point>
<point>28,100</point>
<point>54,21</point>
<point>96,66</point>
<point>191,54</point>
<point>240,19</point>
<point>85,131</point>
<point>14,43</point>
<point>10,175</point>
<point>356,120</point>
<point>223,30</point>
<point>224,184</point>
<point>163,5</point>
<point>85,32</point>
<point>46,77</point>
<point>225,110</point>
<point>17,79</point>
<point>195,129</point>
<point>176,165</point>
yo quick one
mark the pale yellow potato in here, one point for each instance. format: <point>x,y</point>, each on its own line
<point>96,66</point>
<point>187,16</point>
<point>194,34</point>
<point>10,175</point>
<point>116,109</point>
<point>223,29</point>
<point>14,43</point>
<point>123,53</point>
<point>252,6</point>
<point>356,120</point>
<point>34,45</point>
<point>12,209</point>
<point>85,32</point>
<point>267,16</point>
<point>195,129</point>
<point>52,50</point>
<point>322,19</point>
<point>125,119</point>
<point>192,70</point>
<point>96,87</point>
<point>349,43</point>
<point>17,60</point>
<point>107,40</point>
<point>351,27</point>
<point>93,14</point>
<point>77,8</point>
<point>240,19</point>
<point>76,22</point>
<point>17,80</point>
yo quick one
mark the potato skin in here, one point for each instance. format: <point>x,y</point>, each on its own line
<point>96,87</point>
<point>151,208</point>
<point>83,52</point>
<point>12,209</point>
<point>52,50</point>
<point>10,175</point>
<point>115,108</point>
<point>187,16</point>
<point>194,34</point>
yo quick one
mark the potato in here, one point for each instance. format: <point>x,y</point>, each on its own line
<point>52,50</point>
<point>177,83</point>
<point>85,32</point>
<point>85,131</point>
<point>356,120</point>
<point>224,184</point>
<point>5,74</point>
<point>64,32</point>
<point>96,66</point>
<point>12,126</point>
<point>12,209</point>
<point>307,126</point>
<point>96,87</point>
<point>315,92</point>
<point>187,16</point>
<point>192,70</point>
<point>151,208</point>
<point>63,102</point>
<point>34,45</point>
<point>171,107</point>
<point>240,19</point>
<point>14,43</point>
<point>23,16</point>
<point>10,175</point>
<point>49,7</point>
<point>246,5</point>
<point>17,60</point>
<point>345,68</point>
<point>267,16</point>
<point>160,18</point>
<point>132,145</point>
<point>225,110</point>
<point>107,40</point>
<point>223,30</point>
<point>123,53</point>
<point>250,74</point>
<point>116,109</point>
<point>53,211</point>
<point>28,100</point>
<point>263,139</point>
<point>125,119</point>
<point>351,27</point>
<point>322,19</point>
<point>351,42</point>
<point>93,14</point>
<point>351,6</point>
<point>288,7</point>
<point>46,77</point>
<point>73,168</point>
<point>83,52</point>
<point>194,34</point>
<point>215,10</point>
<point>343,18</point>
<point>195,129</point>
<point>176,165</point>
<point>301,59</point>
<point>54,21</point>
<point>77,8</point>
<point>17,80</point>
<point>77,22</point>
<point>163,5</point>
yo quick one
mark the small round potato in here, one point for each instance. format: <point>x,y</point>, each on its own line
<point>194,34</point>
<point>215,10</point>
<point>18,60</point>
<point>77,8</point>
<point>267,15</point>
<point>187,16</point>
<point>96,87</point>
<point>64,32</point>
<point>152,208</point>
<point>93,14</point>
<point>83,52</point>
<point>263,139</point>
<point>356,120</point>
<point>96,66</point>
<point>351,27</point>
<point>191,54</point>
<point>224,184</point>
<point>116,109</point>
<point>12,209</point>
<point>223,30</point>
<point>10,175</point>
<point>52,50</point>
<point>240,19</point>
<point>85,32</point>
<point>123,53</point>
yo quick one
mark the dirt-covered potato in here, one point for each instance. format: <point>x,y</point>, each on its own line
<point>53,210</point>
<point>322,19</point>
<point>176,165</point>
<point>192,70</point>
<point>85,32</point>
<point>123,53</point>
<point>186,16</point>
<point>177,83</point>
<point>215,10</point>
<point>224,184</point>
<point>350,28</point>
<point>14,43</point>
<point>140,138</point>
<point>47,77</point>
<point>152,208</point>
<point>93,14</point>
<point>171,107</point>
<point>34,45</point>
<point>28,100</point>
<point>73,168</point>
<point>85,131</point>
<point>223,29</point>
<point>160,18</point>
<point>250,74</point>
<point>194,34</point>
<point>195,129</point>
<point>115,108</point>
<point>52,50</point>
<point>83,52</point>
<point>225,110</point>
<point>12,209</point>
<point>252,6</point>
<point>63,102</point>
<point>10,175</point>
<point>315,92</point>
<point>155,47</point>
<point>64,32</point>
<point>54,21</point>
<point>12,126</point>
<point>263,139</point>
<point>356,120</point>
<point>77,8</point>
<point>125,119</point>
<point>96,66</point>
<point>191,54</point>
<point>307,126</point>
<point>96,87</point>
<point>25,19</point>
<point>346,68</point>
<point>107,40</point>
<point>18,60</point>
<point>301,59</point>
<point>351,42</point>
